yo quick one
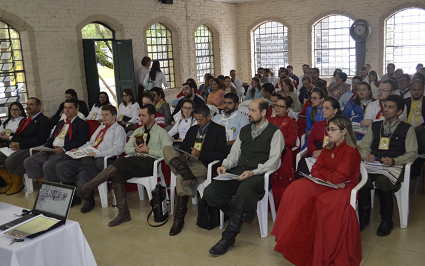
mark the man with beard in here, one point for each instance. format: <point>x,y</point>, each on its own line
<point>231,119</point>
<point>189,93</point>
<point>257,149</point>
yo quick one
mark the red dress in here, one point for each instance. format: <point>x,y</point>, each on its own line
<point>285,174</point>
<point>315,224</point>
<point>315,141</point>
<point>301,119</point>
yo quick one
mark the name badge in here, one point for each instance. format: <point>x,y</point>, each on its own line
<point>417,112</point>
<point>384,143</point>
<point>62,134</point>
<point>121,117</point>
<point>305,100</point>
<point>97,142</point>
<point>8,132</point>
<point>198,146</point>
<point>145,136</point>
<point>325,141</point>
<point>94,116</point>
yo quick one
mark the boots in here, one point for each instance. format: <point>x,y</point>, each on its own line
<point>17,186</point>
<point>123,211</point>
<point>228,238</point>
<point>7,178</point>
<point>183,169</point>
<point>84,191</point>
<point>181,210</point>
<point>387,205</point>
<point>89,204</point>
<point>364,207</point>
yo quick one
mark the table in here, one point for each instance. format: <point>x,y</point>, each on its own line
<point>65,245</point>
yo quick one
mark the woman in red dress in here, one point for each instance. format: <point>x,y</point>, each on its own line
<point>285,174</point>
<point>315,224</point>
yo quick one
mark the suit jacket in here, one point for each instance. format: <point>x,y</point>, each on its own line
<point>197,100</point>
<point>80,134</point>
<point>83,109</point>
<point>214,145</point>
<point>408,103</point>
<point>35,134</point>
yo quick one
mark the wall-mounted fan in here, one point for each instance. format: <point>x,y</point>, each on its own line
<point>360,31</point>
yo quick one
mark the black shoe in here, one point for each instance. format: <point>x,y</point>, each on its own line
<point>385,228</point>
<point>89,204</point>
<point>363,221</point>
<point>76,201</point>
<point>364,207</point>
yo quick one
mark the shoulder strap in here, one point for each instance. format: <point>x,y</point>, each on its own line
<point>149,215</point>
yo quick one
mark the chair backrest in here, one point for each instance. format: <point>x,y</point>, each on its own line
<point>243,110</point>
<point>213,109</point>
<point>245,104</point>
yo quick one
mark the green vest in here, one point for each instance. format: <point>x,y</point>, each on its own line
<point>254,151</point>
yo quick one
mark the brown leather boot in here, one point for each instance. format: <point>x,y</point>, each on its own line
<point>7,178</point>
<point>181,210</point>
<point>84,191</point>
<point>17,186</point>
<point>123,211</point>
<point>183,169</point>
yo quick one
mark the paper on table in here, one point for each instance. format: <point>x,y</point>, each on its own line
<point>7,151</point>
<point>31,226</point>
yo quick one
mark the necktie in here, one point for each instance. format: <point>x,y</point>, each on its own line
<point>67,122</point>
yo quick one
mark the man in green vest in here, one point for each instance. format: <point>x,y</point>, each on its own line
<point>257,149</point>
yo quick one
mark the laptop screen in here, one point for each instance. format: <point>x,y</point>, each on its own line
<point>54,199</point>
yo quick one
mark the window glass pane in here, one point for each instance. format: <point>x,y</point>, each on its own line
<point>97,31</point>
<point>159,44</point>
<point>404,41</point>
<point>204,52</point>
<point>333,45</point>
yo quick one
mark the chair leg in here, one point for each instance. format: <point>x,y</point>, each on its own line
<point>141,190</point>
<point>272,206</point>
<point>263,216</point>
<point>103,193</point>
<point>29,186</point>
<point>221,219</point>
<point>172,192</point>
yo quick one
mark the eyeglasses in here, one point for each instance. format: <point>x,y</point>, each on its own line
<point>125,95</point>
<point>384,90</point>
<point>314,98</point>
<point>331,129</point>
<point>280,106</point>
<point>15,110</point>
<point>187,108</point>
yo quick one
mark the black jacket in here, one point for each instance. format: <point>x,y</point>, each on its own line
<point>83,109</point>
<point>35,134</point>
<point>80,134</point>
<point>214,145</point>
<point>197,100</point>
<point>408,103</point>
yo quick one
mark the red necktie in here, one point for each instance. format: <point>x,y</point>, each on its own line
<point>69,129</point>
<point>353,96</point>
<point>23,125</point>
<point>103,132</point>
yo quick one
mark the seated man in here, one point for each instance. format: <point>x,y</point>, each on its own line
<point>256,150</point>
<point>109,139</point>
<point>206,141</point>
<point>188,92</point>
<point>31,132</point>
<point>154,140</point>
<point>68,135</point>
<point>70,94</point>
<point>392,142</point>
<point>231,119</point>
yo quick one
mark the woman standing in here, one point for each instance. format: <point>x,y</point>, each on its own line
<point>187,120</point>
<point>96,111</point>
<point>285,174</point>
<point>288,91</point>
<point>156,77</point>
<point>255,91</point>
<point>128,111</point>
<point>216,97</point>
<point>8,128</point>
<point>315,224</point>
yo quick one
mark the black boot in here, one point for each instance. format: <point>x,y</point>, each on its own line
<point>89,204</point>
<point>226,210</point>
<point>228,238</point>
<point>364,207</point>
<point>181,210</point>
<point>387,205</point>
<point>84,191</point>
<point>123,211</point>
<point>183,169</point>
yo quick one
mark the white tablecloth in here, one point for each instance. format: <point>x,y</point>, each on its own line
<point>65,245</point>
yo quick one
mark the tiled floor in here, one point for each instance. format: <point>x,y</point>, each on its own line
<point>136,243</point>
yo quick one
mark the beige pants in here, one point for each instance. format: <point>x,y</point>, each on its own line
<point>197,167</point>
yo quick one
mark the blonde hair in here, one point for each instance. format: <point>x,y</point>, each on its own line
<point>343,122</point>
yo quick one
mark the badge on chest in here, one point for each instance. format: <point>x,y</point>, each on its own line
<point>198,146</point>
<point>325,141</point>
<point>416,112</point>
<point>8,132</point>
<point>62,134</point>
<point>94,116</point>
<point>384,143</point>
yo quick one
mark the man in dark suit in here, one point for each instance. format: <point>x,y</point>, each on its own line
<point>69,134</point>
<point>189,93</point>
<point>31,132</point>
<point>69,94</point>
<point>206,142</point>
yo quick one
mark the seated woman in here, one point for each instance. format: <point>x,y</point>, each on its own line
<point>314,112</point>
<point>8,128</point>
<point>356,107</point>
<point>306,90</point>
<point>161,105</point>
<point>318,137</point>
<point>96,111</point>
<point>315,224</point>
<point>187,120</point>
<point>128,111</point>
<point>207,87</point>
<point>228,86</point>
<point>288,91</point>
<point>216,97</point>
<point>255,91</point>
<point>339,87</point>
<point>285,174</point>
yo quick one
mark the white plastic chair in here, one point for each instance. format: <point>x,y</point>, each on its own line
<point>29,186</point>
<point>302,140</point>
<point>299,156</point>
<point>353,197</point>
<point>245,104</point>
<point>201,187</point>
<point>262,206</point>
<point>213,110</point>
<point>402,197</point>
<point>149,182</point>
<point>297,144</point>
<point>243,110</point>
<point>103,188</point>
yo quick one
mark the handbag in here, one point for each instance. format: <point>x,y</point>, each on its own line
<point>149,85</point>
<point>208,217</point>
<point>159,206</point>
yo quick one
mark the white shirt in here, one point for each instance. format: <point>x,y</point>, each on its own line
<point>405,95</point>
<point>232,124</point>
<point>181,127</point>
<point>374,90</point>
<point>60,138</point>
<point>301,82</point>
<point>79,114</point>
<point>373,109</point>
<point>143,72</point>
<point>131,110</point>
<point>160,80</point>
<point>95,113</point>
<point>113,142</point>
<point>12,125</point>
<point>238,86</point>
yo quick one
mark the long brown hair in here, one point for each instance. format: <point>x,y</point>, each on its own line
<point>128,91</point>
<point>258,87</point>
<point>323,94</point>
<point>369,88</point>
<point>343,122</point>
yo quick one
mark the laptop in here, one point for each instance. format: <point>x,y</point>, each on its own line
<point>53,200</point>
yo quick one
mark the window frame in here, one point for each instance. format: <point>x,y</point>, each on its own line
<point>207,52</point>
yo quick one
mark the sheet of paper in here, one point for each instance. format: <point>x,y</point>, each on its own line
<point>318,180</point>
<point>226,177</point>
<point>7,151</point>
<point>32,226</point>
<point>81,152</point>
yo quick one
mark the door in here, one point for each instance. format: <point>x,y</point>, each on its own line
<point>92,75</point>
<point>123,67</point>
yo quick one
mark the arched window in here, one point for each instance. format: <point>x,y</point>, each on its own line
<point>333,45</point>
<point>12,73</point>
<point>160,48</point>
<point>270,46</point>
<point>204,52</point>
<point>97,31</point>
<point>404,39</point>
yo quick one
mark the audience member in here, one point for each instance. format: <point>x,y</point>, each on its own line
<point>128,111</point>
<point>292,75</point>
<point>185,122</point>
<point>148,99</point>
<point>346,97</point>
<point>398,73</point>
<point>305,90</point>
<point>189,93</point>
<point>305,67</point>
<point>288,91</point>
<point>237,82</point>
<point>263,78</point>
<point>143,72</point>
<point>390,72</point>
<point>314,112</point>
<point>267,91</point>
<point>161,106</point>
<point>415,110</point>
<point>216,97</point>
<point>255,91</point>
<point>404,86</point>
<point>156,77</point>
<point>314,74</point>
<point>337,71</point>
<point>374,82</point>
<point>96,110</point>
<point>69,94</point>
<point>9,127</point>
<point>339,87</point>
<point>364,74</point>
<point>228,88</point>
<point>202,87</point>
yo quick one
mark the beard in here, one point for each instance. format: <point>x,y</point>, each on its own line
<point>253,121</point>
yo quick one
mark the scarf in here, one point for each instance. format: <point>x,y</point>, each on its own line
<point>67,122</point>
<point>387,127</point>
<point>23,125</point>
<point>101,135</point>
<point>414,106</point>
